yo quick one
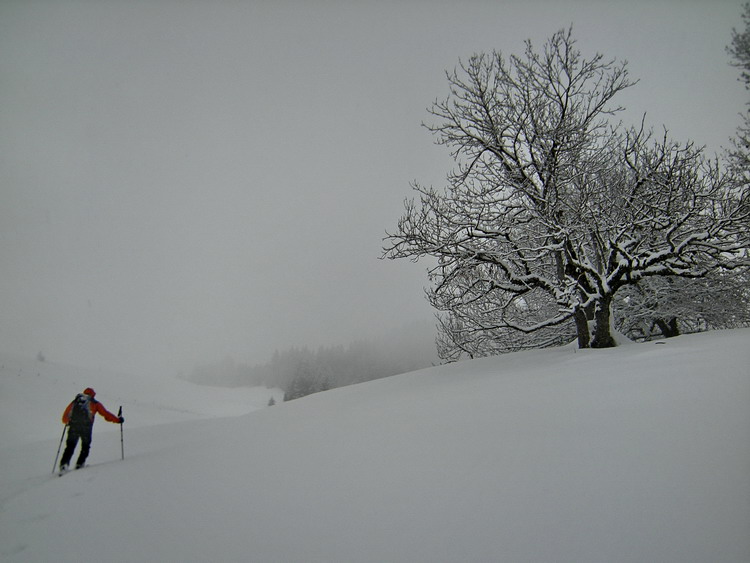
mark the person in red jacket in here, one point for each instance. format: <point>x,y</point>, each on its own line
<point>79,418</point>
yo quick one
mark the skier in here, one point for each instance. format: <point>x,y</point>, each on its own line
<point>79,418</point>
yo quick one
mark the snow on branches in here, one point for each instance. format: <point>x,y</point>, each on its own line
<point>552,208</point>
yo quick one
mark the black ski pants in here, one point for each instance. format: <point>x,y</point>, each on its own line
<point>74,433</point>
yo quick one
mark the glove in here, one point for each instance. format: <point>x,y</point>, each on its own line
<point>122,419</point>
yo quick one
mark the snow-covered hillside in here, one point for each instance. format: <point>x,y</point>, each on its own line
<point>639,453</point>
<point>33,395</point>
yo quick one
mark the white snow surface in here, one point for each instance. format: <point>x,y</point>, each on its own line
<point>637,453</point>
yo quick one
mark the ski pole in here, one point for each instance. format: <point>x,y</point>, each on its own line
<point>54,465</point>
<point>122,443</point>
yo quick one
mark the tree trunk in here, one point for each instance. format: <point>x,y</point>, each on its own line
<point>669,329</point>
<point>602,324</point>
<point>582,328</point>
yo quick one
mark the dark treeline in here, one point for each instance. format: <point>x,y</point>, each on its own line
<point>300,371</point>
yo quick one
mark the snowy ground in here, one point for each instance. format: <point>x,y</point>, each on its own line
<point>640,453</point>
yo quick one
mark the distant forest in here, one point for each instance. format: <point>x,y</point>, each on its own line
<point>300,371</point>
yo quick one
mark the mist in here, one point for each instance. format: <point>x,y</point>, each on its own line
<point>183,182</point>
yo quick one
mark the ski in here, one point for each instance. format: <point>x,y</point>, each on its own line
<point>67,470</point>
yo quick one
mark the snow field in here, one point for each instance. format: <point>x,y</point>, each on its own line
<point>638,453</point>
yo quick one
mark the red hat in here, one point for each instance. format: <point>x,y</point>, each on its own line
<point>90,392</point>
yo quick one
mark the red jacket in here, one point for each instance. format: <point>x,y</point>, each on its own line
<point>95,407</point>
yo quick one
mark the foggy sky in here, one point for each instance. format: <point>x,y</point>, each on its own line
<point>185,181</point>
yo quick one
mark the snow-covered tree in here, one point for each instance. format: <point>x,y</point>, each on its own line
<point>739,51</point>
<point>670,306</point>
<point>553,208</point>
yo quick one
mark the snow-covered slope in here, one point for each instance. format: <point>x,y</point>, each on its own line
<point>640,453</point>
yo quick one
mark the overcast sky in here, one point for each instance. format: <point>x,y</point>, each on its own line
<point>182,181</point>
